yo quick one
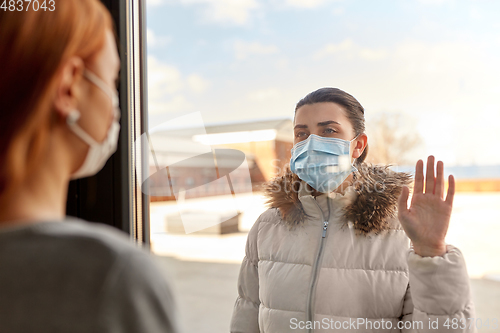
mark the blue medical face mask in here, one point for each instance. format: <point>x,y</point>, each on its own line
<point>324,163</point>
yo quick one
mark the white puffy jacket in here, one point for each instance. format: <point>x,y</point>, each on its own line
<point>353,271</point>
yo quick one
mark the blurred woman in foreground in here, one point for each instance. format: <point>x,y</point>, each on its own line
<point>60,121</point>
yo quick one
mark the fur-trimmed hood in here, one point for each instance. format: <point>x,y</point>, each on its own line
<point>377,188</point>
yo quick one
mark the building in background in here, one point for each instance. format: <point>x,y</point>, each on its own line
<point>476,178</point>
<point>265,144</point>
<point>469,178</point>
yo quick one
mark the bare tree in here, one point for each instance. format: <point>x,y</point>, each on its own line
<point>392,139</point>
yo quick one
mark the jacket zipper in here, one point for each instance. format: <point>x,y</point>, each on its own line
<point>310,314</point>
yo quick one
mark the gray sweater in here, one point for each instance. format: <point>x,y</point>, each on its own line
<point>74,276</point>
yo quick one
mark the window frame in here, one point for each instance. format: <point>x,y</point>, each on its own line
<point>113,196</point>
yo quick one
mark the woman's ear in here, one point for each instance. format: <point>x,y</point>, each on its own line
<point>359,145</point>
<point>68,87</point>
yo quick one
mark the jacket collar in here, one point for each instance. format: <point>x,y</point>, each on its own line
<point>368,203</point>
<point>315,205</point>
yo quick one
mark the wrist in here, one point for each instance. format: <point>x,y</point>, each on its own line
<point>429,250</point>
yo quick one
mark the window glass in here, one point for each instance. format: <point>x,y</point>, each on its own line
<point>224,78</point>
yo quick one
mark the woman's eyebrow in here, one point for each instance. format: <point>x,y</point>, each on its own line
<point>300,126</point>
<point>328,122</point>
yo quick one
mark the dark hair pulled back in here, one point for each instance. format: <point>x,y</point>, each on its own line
<point>353,109</point>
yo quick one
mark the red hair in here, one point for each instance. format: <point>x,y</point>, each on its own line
<point>34,45</point>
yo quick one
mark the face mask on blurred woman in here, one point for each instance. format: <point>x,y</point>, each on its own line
<point>98,153</point>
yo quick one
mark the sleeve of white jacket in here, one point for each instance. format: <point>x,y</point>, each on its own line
<point>440,293</point>
<point>245,317</point>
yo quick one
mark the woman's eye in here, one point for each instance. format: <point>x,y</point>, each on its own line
<point>300,134</point>
<point>330,130</point>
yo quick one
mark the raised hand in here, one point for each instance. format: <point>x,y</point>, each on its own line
<point>426,221</point>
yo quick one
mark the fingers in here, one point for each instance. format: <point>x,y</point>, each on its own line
<point>429,175</point>
<point>419,177</point>
<point>439,188</point>
<point>403,200</point>
<point>451,190</point>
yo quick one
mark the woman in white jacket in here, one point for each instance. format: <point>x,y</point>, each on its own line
<point>333,251</point>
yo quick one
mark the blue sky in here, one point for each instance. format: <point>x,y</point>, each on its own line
<point>436,61</point>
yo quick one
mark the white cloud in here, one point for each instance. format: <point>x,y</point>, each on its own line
<point>264,94</point>
<point>475,13</point>
<point>283,63</point>
<point>300,4</point>
<point>445,57</point>
<point>222,11</point>
<point>331,48</point>
<point>348,47</point>
<point>225,11</point>
<point>338,11</point>
<point>304,3</point>
<point>495,90</point>
<point>154,2</point>
<point>197,83</point>
<point>155,40</point>
<point>245,49</point>
<point>174,104</point>
<point>163,77</point>
<point>372,54</point>
<point>167,87</point>
<point>435,2</point>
